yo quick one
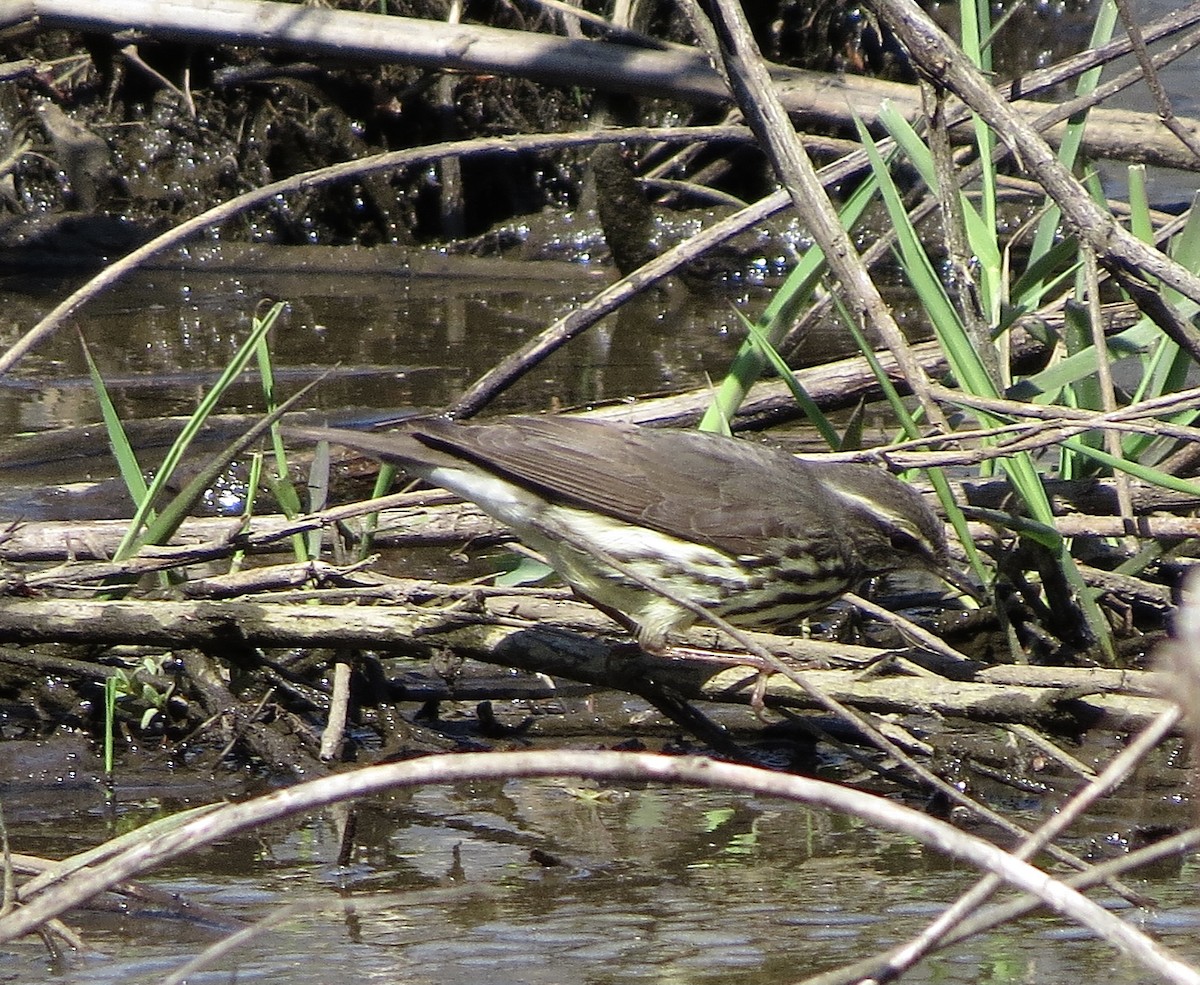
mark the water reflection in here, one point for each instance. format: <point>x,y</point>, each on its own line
<point>651,884</point>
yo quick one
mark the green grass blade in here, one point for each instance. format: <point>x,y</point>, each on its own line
<point>1144,472</point>
<point>1140,223</point>
<point>759,339</point>
<point>965,362</point>
<point>981,233</point>
<point>1046,275</point>
<point>972,376</point>
<point>134,535</point>
<point>285,493</point>
<point>118,440</point>
<point>796,291</point>
<point>1046,386</point>
<point>163,527</point>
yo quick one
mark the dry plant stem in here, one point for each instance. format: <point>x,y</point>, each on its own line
<point>339,704</point>
<point>1028,437</point>
<point>1059,423</point>
<point>1108,390</point>
<point>1056,752</point>
<point>103,852</point>
<point>1054,113</point>
<point>907,628</point>
<point>1118,83</point>
<point>227,945</point>
<point>162,900</point>
<point>1177,846</point>
<point>343,34</point>
<point>1050,433</point>
<point>963,289</point>
<point>58,929</point>
<point>998,915</point>
<point>1161,101</point>
<point>1117,771</point>
<point>755,95</point>
<point>1090,525</point>
<point>1165,405</point>
<point>574,16</point>
<point>610,767</point>
<point>1060,112</point>
<point>1125,256</point>
<point>1128,588</point>
<point>1035,82</point>
<point>131,54</point>
<point>323,176</point>
<point>10,879</point>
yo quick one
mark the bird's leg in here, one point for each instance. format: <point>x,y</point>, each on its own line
<point>764,670</point>
<point>758,697</point>
<point>657,644</point>
<point>675,708</point>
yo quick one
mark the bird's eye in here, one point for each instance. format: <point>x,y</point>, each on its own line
<point>905,542</point>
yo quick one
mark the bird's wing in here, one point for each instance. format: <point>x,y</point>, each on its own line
<point>688,484</point>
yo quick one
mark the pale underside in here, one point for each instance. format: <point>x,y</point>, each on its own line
<point>571,538</point>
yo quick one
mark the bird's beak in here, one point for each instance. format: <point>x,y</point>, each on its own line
<point>959,579</point>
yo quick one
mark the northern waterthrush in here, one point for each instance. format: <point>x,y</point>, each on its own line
<point>748,532</point>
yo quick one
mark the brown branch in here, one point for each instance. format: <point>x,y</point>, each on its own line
<point>503,640</point>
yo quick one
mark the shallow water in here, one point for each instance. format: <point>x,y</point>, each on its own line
<point>659,885</point>
<point>653,885</point>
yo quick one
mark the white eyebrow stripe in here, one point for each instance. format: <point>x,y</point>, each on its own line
<point>871,505</point>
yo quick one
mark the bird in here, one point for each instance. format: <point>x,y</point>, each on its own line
<point>745,531</point>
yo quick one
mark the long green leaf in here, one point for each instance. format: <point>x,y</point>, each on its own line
<point>981,231</point>
<point>118,440</point>
<point>973,377</point>
<point>759,338</point>
<point>1135,469</point>
<point>776,320</point>
<point>133,536</point>
<point>163,527</point>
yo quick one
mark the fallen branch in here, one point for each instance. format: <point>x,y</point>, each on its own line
<point>667,71</point>
<point>497,636</point>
